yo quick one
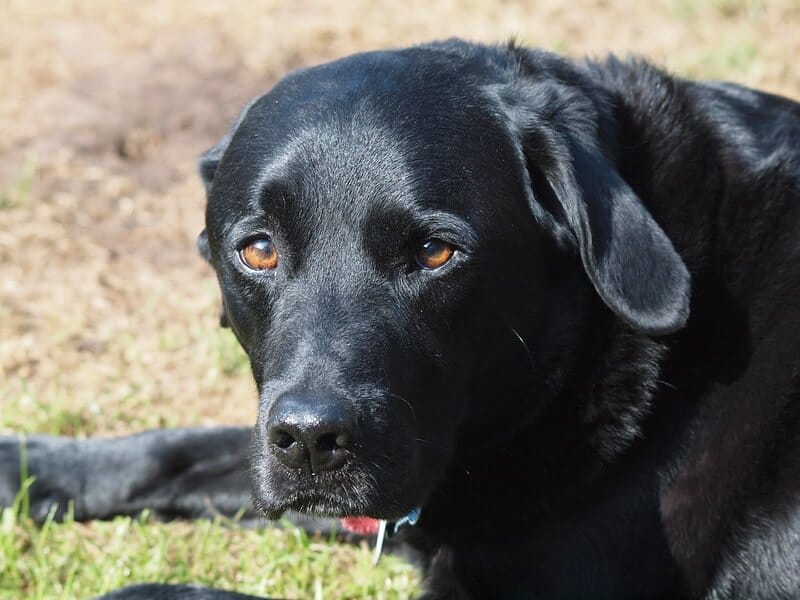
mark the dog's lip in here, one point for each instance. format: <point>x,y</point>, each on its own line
<point>359,525</point>
<point>320,505</point>
<point>316,505</point>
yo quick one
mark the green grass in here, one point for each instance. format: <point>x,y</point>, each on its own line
<point>123,396</point>
<point>724,9</point>
<point>732,59</point>
<point>734,8</point>
<point>76,560</point>
<point>230,359</point>
<point>26,413</point>
<point>17,192</point>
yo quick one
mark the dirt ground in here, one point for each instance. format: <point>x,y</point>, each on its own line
<point>107,315</point>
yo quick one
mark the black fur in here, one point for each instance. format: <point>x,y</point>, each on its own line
<point>599,395</point>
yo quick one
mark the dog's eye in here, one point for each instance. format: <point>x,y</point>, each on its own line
<point>434,253</point>
<point>260,254</point>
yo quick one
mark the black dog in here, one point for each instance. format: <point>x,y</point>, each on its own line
<point>555,305</point>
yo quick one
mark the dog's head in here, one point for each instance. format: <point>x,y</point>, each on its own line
<point>405,243</point>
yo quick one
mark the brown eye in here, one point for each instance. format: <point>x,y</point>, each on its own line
<point>434,253</point>
<point>260,255</point>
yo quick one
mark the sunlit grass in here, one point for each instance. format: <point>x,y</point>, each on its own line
<point>17,192</point>
<point>77,560</point>
<point>25,413</point>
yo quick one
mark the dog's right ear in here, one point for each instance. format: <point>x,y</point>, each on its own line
<point>205,252</point>
<point>209,161</point>
<point>202,246</point>
<point>207,166</point>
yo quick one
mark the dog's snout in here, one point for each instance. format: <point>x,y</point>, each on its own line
<point>310,431</point>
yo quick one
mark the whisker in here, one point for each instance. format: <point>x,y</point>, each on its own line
<point>527,349</point>
<point>667,384</point>
<point>399,397</point>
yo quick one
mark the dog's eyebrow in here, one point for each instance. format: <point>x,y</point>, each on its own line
<point>251,224</point>
<point>435,222</point>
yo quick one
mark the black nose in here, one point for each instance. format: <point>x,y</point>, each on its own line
<point>311,432</point>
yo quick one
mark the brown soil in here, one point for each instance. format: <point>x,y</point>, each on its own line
<point>107,316</point>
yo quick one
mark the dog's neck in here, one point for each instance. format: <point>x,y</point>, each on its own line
<point>568,454</point>
<point>594,402</point>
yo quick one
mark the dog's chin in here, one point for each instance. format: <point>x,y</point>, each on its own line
<point>334,499</point>
<point>325,508</point>
<point>387,492</point>
<point>325,505</point>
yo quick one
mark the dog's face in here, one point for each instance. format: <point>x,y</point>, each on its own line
<point>405,248</point>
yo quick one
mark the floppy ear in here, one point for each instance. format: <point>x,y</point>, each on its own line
<point>209,161</point>
<point>202,246</point>
<point>577,194</point>
<point>207,167</point>
<point>205,252</point>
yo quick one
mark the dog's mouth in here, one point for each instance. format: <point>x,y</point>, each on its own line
<point>357,495</point>
<point>353,515</point>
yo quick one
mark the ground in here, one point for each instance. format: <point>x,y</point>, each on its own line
<point>108,318</point>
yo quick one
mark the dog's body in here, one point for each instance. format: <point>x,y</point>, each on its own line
<point>570,425</point>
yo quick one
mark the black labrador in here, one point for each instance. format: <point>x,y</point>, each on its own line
<point>552,306</point>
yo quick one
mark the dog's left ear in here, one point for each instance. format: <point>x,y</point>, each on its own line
<point>576,193</point>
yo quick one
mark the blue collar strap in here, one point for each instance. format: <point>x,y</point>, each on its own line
<point>410,519</point>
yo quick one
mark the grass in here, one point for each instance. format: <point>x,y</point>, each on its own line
<point>16,193</point>
<point>81,560</point>
<point>730,56</point>
<point>229,357</point>
<point>24,413</point>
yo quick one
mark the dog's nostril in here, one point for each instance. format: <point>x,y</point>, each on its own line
<point>328,442</point>
<point>281,439</point>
